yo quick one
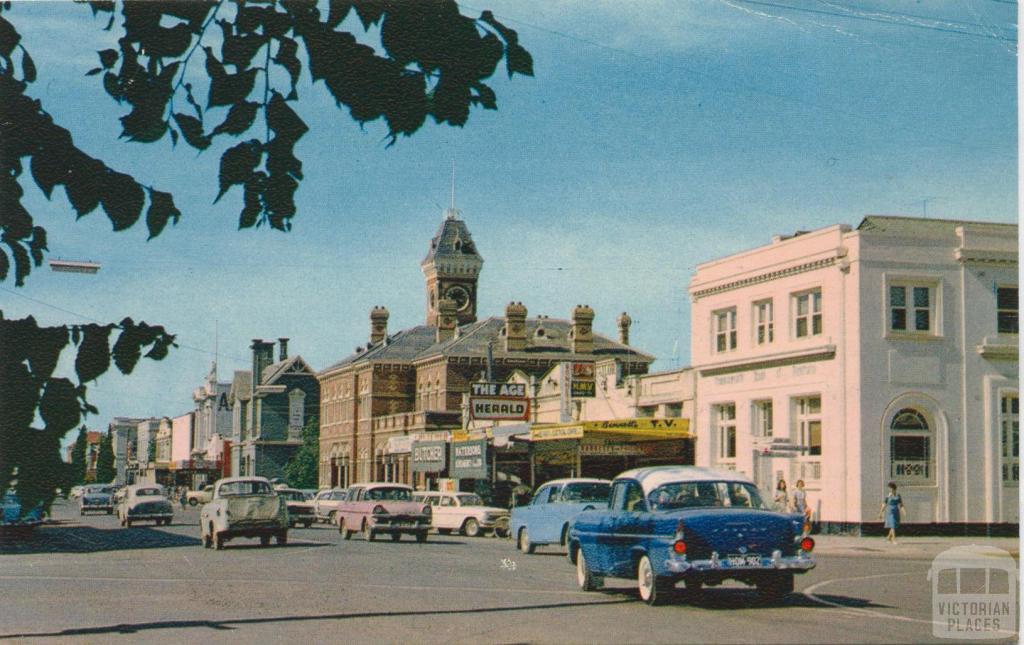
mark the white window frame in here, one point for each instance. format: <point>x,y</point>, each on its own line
<point>1009,425</point>
<point>910,306</point>
<point>1000,310</point>
<point>927,433</point>
<point>814,313</point>
<point>726,334</point>
<point>764,322</point>
<point>803,418</point>
<point>724,416</point>
<point>763,417</point>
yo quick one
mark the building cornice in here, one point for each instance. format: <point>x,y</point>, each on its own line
<point>764,361</point>
<point>977,256</point>
<point>1003,348</point>
<point>766,277</point>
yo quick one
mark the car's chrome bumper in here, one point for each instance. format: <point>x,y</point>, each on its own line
<point>799,562</point>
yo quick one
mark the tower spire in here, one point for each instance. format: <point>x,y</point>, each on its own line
<point>452,212</point>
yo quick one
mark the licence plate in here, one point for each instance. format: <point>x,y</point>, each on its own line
<point>749,560</point>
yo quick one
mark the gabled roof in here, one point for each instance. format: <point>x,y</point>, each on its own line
<point>403,346</point>
<point>274,371</point>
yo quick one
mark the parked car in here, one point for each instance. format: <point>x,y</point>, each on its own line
<point>545,520</point>
<point>97,499</point>
<point>243,507</point>
<point>143,502</point>
<point>383,507</point>
<point>12,514</point>
<point>76,492</point>
<point>700,526</point>
<point>300,509</point>
<point>325,504</point>
<point>463,512</point>
<point>201,496</point>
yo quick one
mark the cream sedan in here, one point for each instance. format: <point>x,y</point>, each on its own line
<point>464,512</point>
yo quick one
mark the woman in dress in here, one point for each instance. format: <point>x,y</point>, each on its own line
<point>781,496</point>
<point>891,507</point>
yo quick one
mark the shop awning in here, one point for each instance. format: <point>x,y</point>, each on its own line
<point>641,429</point>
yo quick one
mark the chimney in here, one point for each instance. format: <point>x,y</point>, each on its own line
<point>581,333</point>
<point>446,319</point>
<point>378,325</point>
<point>515,327</point>
<point>624,322</point>
<point>262,355</point>
<point>283,342</point>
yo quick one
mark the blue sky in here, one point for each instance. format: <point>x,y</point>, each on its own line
<point>654,136</point>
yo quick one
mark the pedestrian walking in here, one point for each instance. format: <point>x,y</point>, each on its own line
<point>891,508</point>
<point>182,499</point>
<point>781,496</point>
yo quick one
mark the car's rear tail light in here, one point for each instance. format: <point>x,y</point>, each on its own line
<point>679,547</point>
<point>807,544</point>
<point>379,510</point>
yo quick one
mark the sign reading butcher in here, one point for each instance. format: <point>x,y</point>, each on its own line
<point>428,456</point>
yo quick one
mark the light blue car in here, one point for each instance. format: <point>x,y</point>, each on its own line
<point>545,520</point>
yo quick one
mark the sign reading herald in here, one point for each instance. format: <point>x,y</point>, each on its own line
<point>499,409</point>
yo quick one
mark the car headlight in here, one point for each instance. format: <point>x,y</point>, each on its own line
<point>379,510</point>
<point>427,510</point>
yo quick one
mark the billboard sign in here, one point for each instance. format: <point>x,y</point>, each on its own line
<point>469,460</point>
<point>428,456</point>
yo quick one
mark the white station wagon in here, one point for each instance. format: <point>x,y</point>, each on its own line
<point>464,512</point>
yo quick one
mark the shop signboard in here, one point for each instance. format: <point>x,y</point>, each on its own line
<point>513,390</point>
<point>556,433</point>
<point>428,456</point>
<point>583,384</point>
<point>469,460</point>
<point>499,408</point>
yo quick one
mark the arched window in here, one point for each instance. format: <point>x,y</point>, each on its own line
<point>910,446</point>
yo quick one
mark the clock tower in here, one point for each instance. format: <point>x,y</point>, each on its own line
<point>452,269</point>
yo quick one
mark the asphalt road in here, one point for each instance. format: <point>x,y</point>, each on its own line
<point>88,580</point>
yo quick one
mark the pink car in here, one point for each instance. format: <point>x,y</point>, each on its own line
<point>383,507</point>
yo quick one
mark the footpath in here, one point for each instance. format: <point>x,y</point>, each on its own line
<point>914,548</point>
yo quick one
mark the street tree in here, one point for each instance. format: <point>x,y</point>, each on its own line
<point>105,470</point>
<point>246,57</point>
<point>78,455</point>
<point>302,470</point>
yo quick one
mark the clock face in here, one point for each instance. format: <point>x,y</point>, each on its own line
<point>459,295</point>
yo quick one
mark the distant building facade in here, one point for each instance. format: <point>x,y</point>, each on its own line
<point>269,407</point>
<point>124,431</point>
<point>849,358</point>
<point>410,384</point>
<point>212,419</point>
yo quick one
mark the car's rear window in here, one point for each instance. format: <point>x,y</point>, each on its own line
<point>292,495</point>
<point>705,494</point>
<point>146,492</point>
<point>586,492</point>
<point>388,493</point>
<point>246,488</point>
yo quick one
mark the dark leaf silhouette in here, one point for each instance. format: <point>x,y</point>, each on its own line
<point>192,130</point>
<point>93,357</point>
<point>161,210</point>
<point>237,164</point>
<point>240,117</point>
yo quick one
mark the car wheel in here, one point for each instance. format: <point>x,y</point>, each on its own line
<point>502,533</point>
<point>124,522</point>
<point>192,502</point>
<point>306,525</point>
<point>586,580</point>
<point>524,541</point>
<point>264,540</point>
<point>128,523</point>
<point>471,528</point>
<point>282,538</point>
<point>775,587</point>
<point>564,539</point>
<point>368,533</point>
<point>421,537</point>
<point>395,537</point>
<point>652,590</point>
<point>218,541</point>
<point>332,517</point>
<point>206,537</point>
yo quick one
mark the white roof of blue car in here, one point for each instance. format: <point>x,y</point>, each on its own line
<point>655,476</point>
<point>575,480</point>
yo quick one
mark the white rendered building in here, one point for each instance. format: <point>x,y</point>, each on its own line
<point>853,357</point>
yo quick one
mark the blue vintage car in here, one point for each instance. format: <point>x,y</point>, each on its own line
<point>700,526</point>
<point>545,520</point>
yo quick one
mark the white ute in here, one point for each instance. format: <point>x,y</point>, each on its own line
<point>243,507</point>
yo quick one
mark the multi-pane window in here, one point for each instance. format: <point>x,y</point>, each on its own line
<point>910,447</point>
<point>763,418</point>
<point>1006,309</point>
<point>808,424</point>
<point>725,330</point>
<point>673,410</point>
<point>911,308</point>
<point>1009,421</point>
<point>807,313</point>
<point>764,319</point>
<point>725,430</point>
